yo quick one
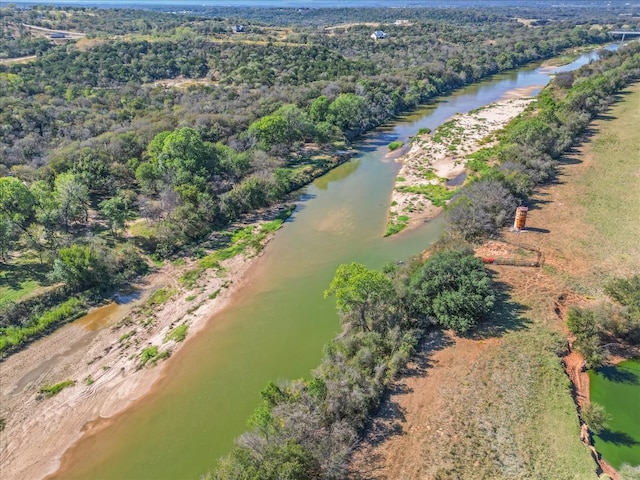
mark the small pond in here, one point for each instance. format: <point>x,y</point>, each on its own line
<point>617,388</point>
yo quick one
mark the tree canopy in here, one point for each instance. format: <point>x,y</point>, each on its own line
<point>453,288</point>
<point>363,296</point>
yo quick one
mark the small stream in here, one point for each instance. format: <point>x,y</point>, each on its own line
<point>278,322</point>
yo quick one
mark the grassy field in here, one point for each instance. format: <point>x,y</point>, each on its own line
<point>21,278</point>
<point>611,187</point>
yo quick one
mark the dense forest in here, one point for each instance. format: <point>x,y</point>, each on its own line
<point>137,140</point>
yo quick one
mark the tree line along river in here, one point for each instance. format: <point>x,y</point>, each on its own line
<point>278,321</point>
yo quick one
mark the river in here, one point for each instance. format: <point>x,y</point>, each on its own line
<point>278,321</point>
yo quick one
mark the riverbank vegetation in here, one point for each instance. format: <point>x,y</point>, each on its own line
<point>308,428</point>
<point>379,303</point>
<point>108,164</point>
<point>528,152</point>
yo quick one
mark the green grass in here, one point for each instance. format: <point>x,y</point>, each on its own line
<point>126,336</point>
<point>152,355</point>
<point>477,165</point>
<point>142,230</point>
<point>178,334</point>
<point>15,336</point>
<point>191,277</point>
<point>21,278</point>
<point>612,190</point>
<point>244,240</point>
<point>396,226</point>
<point>510,414</point>
<point>50,390</point>
<point>437,194</point>
<point>160,296</point>
<point>395,145</point>
<point>609,193</point>
<point>446,131</point>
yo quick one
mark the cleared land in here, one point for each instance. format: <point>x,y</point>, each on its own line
<point>499,405</point>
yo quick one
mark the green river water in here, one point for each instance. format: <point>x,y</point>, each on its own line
<point>278,322</point>
<point>617,389</point>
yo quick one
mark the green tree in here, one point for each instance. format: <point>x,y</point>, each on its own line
<point>319,109</point>
<point>7,238</point>
<point>586,326</point>
<point>16,211</point>
<point>595,416</point>
<point>72,197</point>
<point>346,111</point>
<point>274,461</point>
<point>116,211</point>
<point>81,267</point>
<point>179,157</point>
<point>270,130</point>
<point>362,295</point>
<point>91,167</point>
<point>453,288</point>
<point>47,212</point>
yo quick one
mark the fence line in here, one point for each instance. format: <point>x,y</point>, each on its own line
<point>538,262</point>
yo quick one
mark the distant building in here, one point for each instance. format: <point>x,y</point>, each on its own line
<point>238,29</point>
<point>378,34</point>
<point>401,22</point>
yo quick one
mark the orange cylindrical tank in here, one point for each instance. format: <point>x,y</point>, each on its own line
<point>521,218</point>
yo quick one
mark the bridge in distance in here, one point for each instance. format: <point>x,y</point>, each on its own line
<point>624,33</point>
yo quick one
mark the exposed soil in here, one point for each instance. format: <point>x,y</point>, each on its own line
<point>393,446</point>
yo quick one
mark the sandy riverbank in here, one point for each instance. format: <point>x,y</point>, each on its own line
<point>104,361</point>
<point>442,155</point>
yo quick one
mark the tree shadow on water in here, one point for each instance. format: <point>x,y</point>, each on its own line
<point>619,375</point>
<point>620,439</point>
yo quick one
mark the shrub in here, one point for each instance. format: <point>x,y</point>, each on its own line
<point>452,287</point>
<point>628,472</point>
<point>151,355</point>
<point>595,416</point>
<point>480,209</point>
<point>395,145</point>
<point>178,334</point>
<point>51,390</point>
<point>585,325</point>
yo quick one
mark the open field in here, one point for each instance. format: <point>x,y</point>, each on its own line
<point>21,278</point>
<point>498,405</point>
<point>11,61</point>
